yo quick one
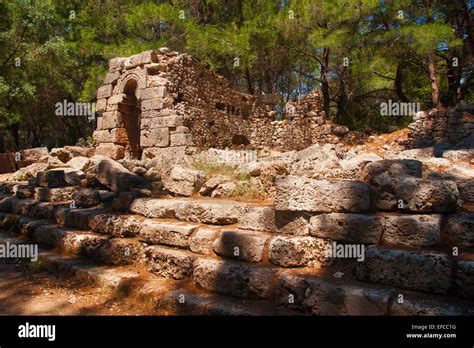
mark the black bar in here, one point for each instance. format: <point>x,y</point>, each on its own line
<point>160,331</point>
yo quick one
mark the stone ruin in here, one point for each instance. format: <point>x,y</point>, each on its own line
<point>162,102</point>
<point>162,230</point>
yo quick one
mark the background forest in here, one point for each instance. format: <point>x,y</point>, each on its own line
<point>358,52</point>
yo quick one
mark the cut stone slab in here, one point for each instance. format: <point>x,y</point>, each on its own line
<point>184,181</point>
<point>465,279</point>
<point>79,163</point>
<point>459,230</point>
<point>397,168</point>
<point>320,296</point>
<point>122,251</point>
<point>423,271</point>
<point>241,245</point>
<point>116,225</point>
<point>258,218</point>
<point>415,304</point>
<point>60,194</point>
<point>412,230</point>
<point>168,233</point>
<point>69,241</point>
<point>299,251</point>
<point>234,278</point>
<point>51,178</point>
<point>426,196</point>
<point>86,198</point>
<point>23,191</point>
<point>116,177</point>
<point>358,228</point>
<point>325,196</point>
<point>294,223</point>
<point>202,241</point>
<point>170,263</point>
<point>214,212</point>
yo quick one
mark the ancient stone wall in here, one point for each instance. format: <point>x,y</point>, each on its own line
<point>440,128</point>
<point>160,102</point>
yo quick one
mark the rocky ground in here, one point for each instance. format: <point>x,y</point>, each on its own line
<point>182,218</point>
<point>32,290</point>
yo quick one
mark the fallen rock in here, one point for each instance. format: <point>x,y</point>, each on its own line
<point>116,177</point>
<point>183,181</point>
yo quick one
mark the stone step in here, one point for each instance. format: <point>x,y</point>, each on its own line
<point>206,211</point>
<point>83,269</point>
<point>407,269</point>
<point>185,302</point>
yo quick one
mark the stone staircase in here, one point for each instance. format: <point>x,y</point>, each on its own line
<point>224,257</point>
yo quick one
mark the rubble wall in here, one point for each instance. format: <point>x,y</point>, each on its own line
<point>161,101</point>
<point>440,128</point>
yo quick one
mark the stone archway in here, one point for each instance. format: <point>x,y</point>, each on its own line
<point>131,113</point>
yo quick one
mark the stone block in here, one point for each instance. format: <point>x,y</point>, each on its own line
<point>299,251</point>
<point>241,245</point>
<point>170,263</point>
<point>357,228</point>
<point>302,194</point>
<point>413,270</point>
<point>234,278</point>
<point>168,233</point>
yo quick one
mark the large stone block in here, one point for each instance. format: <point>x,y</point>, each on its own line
<point>111,150</point>
<point>116,177</point>
<point>116,225</point>
<point>153,92</point>
<point>181,139</point>
<point>258,218</point>
<point>168,233</point>
<point>161,121</point>
<point>299,251</point>
<point>458,230</point>
<point>412,230</point>
<point>234,278</point>
<point>295,223</point>
<point>7,163</point>
<point>104,91</point>
<point>241,245</point>
<point>159,137</point>
<point>423,271</point>
<point>202,241</point>
<point>122,251</point>
<point>221,212</point>
<point>396,169</point>
<point>51,178</point>
<point>358,228</point>
<point>421,195</point>
<point>62,194</point>
<point>302,194</point>
<point>184,181</point>
<point>416,304</point>
<point>465,279</point>
<point>320,296</point>
<point>112,119</point>
<point>152,104</point>
<point>170,263</point>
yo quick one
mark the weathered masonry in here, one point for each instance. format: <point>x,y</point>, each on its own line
<point>164,102</point>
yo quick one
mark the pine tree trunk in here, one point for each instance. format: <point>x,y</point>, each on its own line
<point>433,80</point>
<point>324,79</point>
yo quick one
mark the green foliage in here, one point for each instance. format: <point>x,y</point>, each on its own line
<point>277,47</point>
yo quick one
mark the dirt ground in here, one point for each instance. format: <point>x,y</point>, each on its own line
<point>27,291</point>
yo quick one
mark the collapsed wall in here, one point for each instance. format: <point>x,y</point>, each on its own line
<point>450,128</point>
<point>161,101</point>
